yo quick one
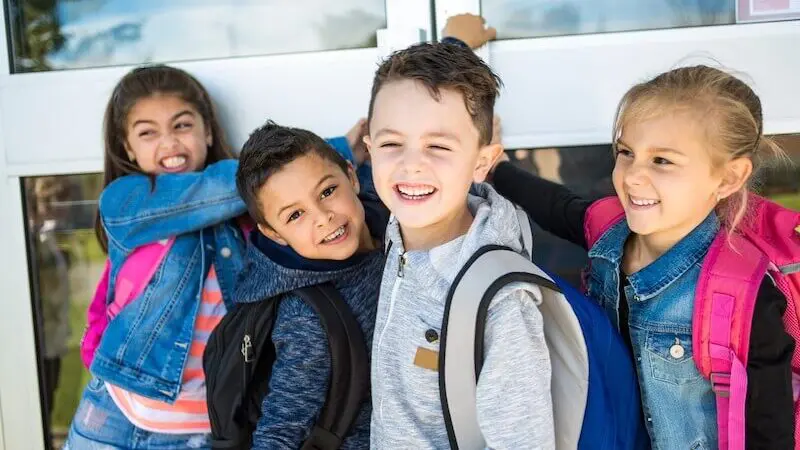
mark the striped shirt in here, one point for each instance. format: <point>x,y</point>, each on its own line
<point>189,413</point>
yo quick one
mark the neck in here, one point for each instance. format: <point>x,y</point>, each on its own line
<point>641,251</point>
<point>365,241</point>
<point>438,233</point>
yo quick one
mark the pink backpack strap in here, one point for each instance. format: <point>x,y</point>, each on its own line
<point>600,217</point>
<point>96,319</point>
<point>723,316</point>
<point>136,272</point>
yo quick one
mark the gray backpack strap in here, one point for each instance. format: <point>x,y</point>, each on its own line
<point>461,346</point>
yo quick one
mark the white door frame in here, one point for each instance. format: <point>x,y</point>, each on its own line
<point>50,123</point>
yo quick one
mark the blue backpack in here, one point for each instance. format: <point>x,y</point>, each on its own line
<point>596,402</point>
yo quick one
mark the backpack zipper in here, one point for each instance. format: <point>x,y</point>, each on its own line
<point>247,349</point>
<point>247,342</point>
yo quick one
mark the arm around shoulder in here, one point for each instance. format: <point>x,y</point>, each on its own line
<point>138,209</point>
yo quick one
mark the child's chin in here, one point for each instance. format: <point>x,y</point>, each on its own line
<point>414,218</point>
<point>341,252</point>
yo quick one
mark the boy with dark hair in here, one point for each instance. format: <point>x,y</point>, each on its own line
<point>430,131</point>
<point>313,226</point>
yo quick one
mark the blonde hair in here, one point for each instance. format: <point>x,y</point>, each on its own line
<point>729,111</point>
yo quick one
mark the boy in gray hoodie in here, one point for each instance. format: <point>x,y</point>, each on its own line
<point>430,128</point>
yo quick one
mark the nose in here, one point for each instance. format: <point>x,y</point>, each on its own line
<point>322,218</point>
<point>413,159</point>
<point>635,175</point>
<point>168,140</point>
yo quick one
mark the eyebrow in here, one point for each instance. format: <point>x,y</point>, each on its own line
<point>657,149</point>
<point>291,205</point>
<point>433,134</point>
<point>444,135</point>
<point>174,117</point>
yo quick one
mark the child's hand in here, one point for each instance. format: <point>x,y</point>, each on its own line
<point>469,29</point>
<point>355,138</point>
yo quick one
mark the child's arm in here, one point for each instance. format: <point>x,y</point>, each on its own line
<point>467,29</point>
<point>299,381</point>
<point>551,205</point>
<point>513,396</point>
<point>769,417</point>
<point>137,211</point>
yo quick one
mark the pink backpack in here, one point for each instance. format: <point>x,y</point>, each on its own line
<point>768,242</point>
<point>135,274</point>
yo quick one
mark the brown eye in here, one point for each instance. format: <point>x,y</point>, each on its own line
<point>327,192</point>
<point>294,216</point>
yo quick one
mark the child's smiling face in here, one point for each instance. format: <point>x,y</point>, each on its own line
<point>425,152</point>
<point>165,134</point>
<point>312,205</point>
<point>665,176</point>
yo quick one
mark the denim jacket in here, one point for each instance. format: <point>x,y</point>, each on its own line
<point>145,347</point>
<point>679,405</point>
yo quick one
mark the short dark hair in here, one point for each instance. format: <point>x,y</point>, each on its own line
<point>448,66</point>
<point>268,149</point>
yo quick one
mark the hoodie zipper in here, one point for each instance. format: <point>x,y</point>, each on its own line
<point>392,299</point>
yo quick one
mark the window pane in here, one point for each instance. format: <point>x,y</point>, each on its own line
<point>66,263</point>
<point>536,18</point>
<point>587,172</point>
<point>69,34</point>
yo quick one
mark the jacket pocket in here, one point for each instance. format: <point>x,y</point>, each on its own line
<point>670,357</point>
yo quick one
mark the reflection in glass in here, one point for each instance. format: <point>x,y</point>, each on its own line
<point>69,34</point>
<point>66,263</point>
<point>535,18</point>
<point>587,172</point>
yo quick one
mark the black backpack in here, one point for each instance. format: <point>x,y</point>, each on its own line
<point>238,365</point>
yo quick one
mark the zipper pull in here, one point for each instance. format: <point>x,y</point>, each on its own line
<point>401,265</point>
<point>247,349</point>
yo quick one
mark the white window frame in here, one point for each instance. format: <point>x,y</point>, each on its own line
<point>50,123</point>
<point>563,91</point>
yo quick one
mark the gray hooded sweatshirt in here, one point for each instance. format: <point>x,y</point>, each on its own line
<point>513,393</point>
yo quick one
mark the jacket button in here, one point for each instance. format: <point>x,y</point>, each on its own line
<point>676,351</point>
<point>431,336</point>
<point>225,252</point>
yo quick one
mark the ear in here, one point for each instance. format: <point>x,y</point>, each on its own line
<point>128,151</point>
<point>209,137</point>
<point>267,231</point>
<point>487,156</point>
<point>351,175</point>
<point>367,143</point>
<point>735,174</point>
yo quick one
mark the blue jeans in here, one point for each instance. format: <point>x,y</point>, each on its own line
<point>100,425</point>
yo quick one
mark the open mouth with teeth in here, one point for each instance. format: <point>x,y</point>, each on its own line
<point>338,235</point>
<point>414,192</point>
<point>642,203</point>
<point>176,163</point>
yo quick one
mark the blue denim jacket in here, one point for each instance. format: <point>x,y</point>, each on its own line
<point>678,403</point>
<point>144,348</point>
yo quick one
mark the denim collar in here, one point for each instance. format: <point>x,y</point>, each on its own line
<point>658,275</point>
